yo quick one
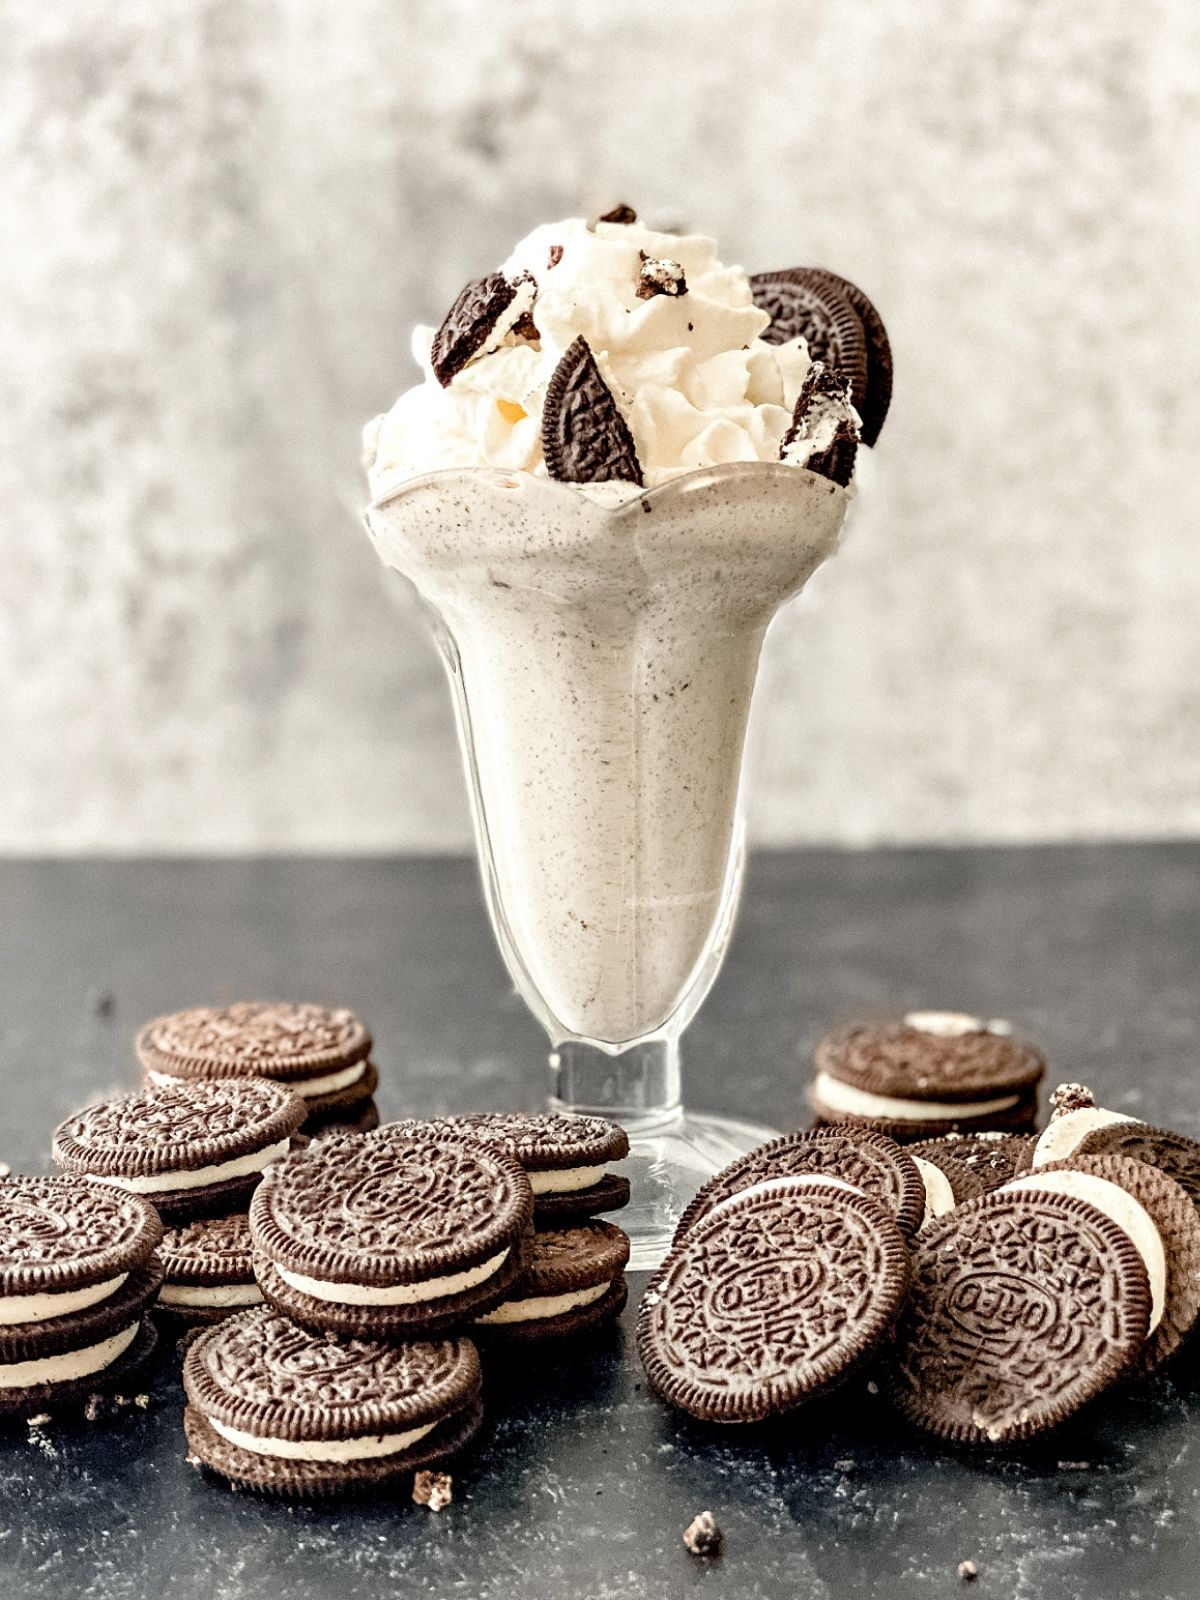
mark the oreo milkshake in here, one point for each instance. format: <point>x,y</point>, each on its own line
<point>617,467</point>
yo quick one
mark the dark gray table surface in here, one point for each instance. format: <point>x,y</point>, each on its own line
<point>582,1485</point>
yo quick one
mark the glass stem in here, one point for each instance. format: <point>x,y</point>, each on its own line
<point>637,1087</point>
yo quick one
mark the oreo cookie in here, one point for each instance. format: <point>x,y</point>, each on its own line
<point>775,1296</point>
<point>874,400</point>
<point>1023,1308</point>
<point>928,1074</point>
<point>321,1054</point>
<point>195,1150</point>
<point>1075,1116</point>
<point>803,305</point>
<point>585,439</point>
<point>870,1161</point>
<point>486,310</point>
<point>389,1234</point>
<point>572,1280</point>
<point>947,1184</point>
<point>1162,1224</point>
<point>992,1158</point>
<point>1172,1153</point>
<point>209,1273</point>
<point>566,1157</point>
<point>288,1413</point>
<point>77,1271</point>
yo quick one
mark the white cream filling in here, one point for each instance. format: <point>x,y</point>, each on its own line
<point>539,1306</point>
<point>364,1449</point>
<point>197,1177</point>
<point>306,1088</point>
<point>1063,1135</point>
<point>71,1364</point>
<point>210,1294</point>
<point>1129,1215</point>
<point>49,1303</point>
<point>939,1196</point>
<point>400,1294</point>
<point>566,1180</point>
<point>854,1102</point>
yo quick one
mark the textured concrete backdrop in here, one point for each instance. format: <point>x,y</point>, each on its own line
<point>221,217</point>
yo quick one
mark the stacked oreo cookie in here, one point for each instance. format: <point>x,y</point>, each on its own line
<point>321,1055</point>
<point>994,1286</point>
<point>927,1074</point>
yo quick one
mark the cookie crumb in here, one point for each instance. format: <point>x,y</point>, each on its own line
<point>1071,1097</point>
<point>845,1465</point>
<point>660,277</point>
<point>94,1407</point>
<point>703,1537</point>
<point>622,213</point>
<point>433,1489</point>
<point>968,1571</point>
<point>142,1401</point>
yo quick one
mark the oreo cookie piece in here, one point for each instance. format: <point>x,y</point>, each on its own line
<point>195,1150</point>
<point>1023,1307</point>
<point>803,305</point>
<point>947,1184</point>
<point>585,439</point>
<point>572,1280</point>
<point>622,214</point>
<point>992,1158</point>
<point>775,1296</point>
<point>290,1413</point>
<point>874,400</point>
<point>870,1161</point>
<point>209,1274</point>
<point>389,1234</point>
<point>321,1054</point>
<point>566,1157</point>
<point>486,310</point>
<point>1162,1224</point>
<point>930,1073</point>
<point>823,435</point>
<point>77,1270</point>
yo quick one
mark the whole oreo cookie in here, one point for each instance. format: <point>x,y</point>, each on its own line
<point>389,1234</point>
<point>804,305</point>
<point>572,1280</point>
<point>1172,1153</point>
<point>566,1157</point>
<point>775,1296</point>
<point>475,324</point>
<point>1023,1308</point>
<point>77,1270</point>
<point>322,1055</point>
<point>585,439</point>
<point>209,1272</point>
<point>993,1158</point>
<point>870,1161</point>
<point>193,1150</point>
<point>289,1413</point>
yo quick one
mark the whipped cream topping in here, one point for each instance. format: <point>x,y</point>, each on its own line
<point>695,381</point>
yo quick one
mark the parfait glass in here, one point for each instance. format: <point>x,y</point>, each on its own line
<point>602,646</point>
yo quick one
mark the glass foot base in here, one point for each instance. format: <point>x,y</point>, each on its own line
<point>669,1158</point>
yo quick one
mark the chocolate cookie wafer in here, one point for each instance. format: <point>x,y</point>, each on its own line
<point>77,1271</point>
<point>874,400</point>
<point>930,1073</point>
<point>572,1280</point>
<point>195,1150</point>
<point>293,1414</point>
<point>320,1054</point>
<point>776,1295</point>
<point>585,438</point>
<point>477,322</point>
<point>993,1158</point>
<point>209,1273</point>
<point>389,1234</point>
<point>566,1157</point>
<point>1162,1224</point>
<point>870,1161</point>
<point>1173,1153</point>
<point>1023,1307</point>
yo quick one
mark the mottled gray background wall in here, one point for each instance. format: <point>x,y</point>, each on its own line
<point>220,218</point>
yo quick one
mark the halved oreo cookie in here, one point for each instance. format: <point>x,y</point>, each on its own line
<point>1023,1308</point>
<point>77,1270</point>
<point>572,1280</point>
<point>209,1274</point>
<point>1163,1226</point>
<point>475,324</point>
<point>993,1158</point>
<point>290,1413</point>
<point>803,305</point>
<point>195,1150</point>
<point>321,1054</point>
<point>585,439</point>
<point>389,1234</point>
<point>566,1157</point>
<point>823,435</point>
<point>776,1295</point>
<point>870,1161</point>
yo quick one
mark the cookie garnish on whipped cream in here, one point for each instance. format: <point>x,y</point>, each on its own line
<point>478,320</point>
<point>824,433</point>
<point>584,436</point>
